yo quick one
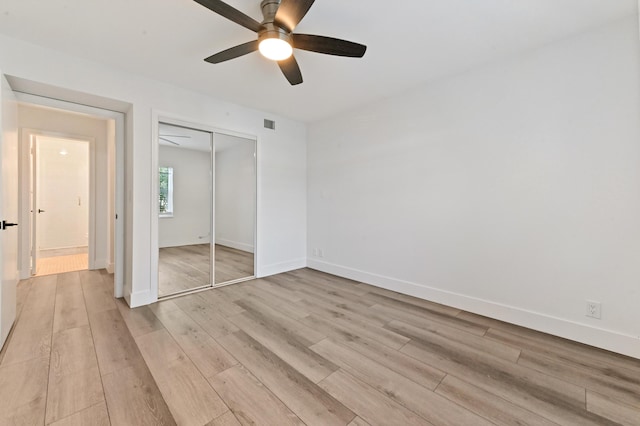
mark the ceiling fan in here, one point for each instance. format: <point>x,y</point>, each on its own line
<point>276,39</point>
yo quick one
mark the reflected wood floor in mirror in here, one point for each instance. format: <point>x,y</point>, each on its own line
<point>187,267</point>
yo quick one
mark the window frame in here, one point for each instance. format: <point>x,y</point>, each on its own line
<point>169,211</point>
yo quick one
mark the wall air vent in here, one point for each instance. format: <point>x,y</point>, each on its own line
<point>269,124</point>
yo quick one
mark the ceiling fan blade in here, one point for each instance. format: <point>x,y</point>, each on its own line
<point>328,45</point>
<point>232,14</point>
<point>291,70</point>
<point>167,140</point>
<point>291,12</point>
<point>234,52</point>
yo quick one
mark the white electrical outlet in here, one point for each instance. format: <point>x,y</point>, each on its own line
<point>315,252</point>
<point>594,309</point>
<point>320,252</point>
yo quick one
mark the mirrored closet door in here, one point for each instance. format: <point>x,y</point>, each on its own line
<point>185,205</point>
<point>206,209</point>
<point>235,208</point>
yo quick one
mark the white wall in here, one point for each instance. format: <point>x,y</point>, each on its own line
<point>235,192</point>
<point>191,221</point>
<point>512,190</point>
<point>80,126</point>
<point>281,154</point>
<point>62,192</point>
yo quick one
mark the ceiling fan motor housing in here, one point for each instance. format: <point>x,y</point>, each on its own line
<point>269,9</point>
<point>269,27</point>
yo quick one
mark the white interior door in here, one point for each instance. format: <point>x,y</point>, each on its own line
<point>8,208</point>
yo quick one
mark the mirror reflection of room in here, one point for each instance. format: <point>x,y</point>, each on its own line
<point>235,207</point>
<point>185,207</point>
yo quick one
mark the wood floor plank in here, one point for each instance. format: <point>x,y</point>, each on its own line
<point>625,388</point>
<point>417,315</point>
<point>22,290</point>
<point>353,328</point>
<point>165,305</point>
<point>72,350</point>
<point>488,405</point>
<point>429,328</point>
<point>571,353</point>
<point>28,343</point>
<point>206,316</point>
<point>114,345</point>
<point>187,393</point>
<point>325,308</point>
<point>329,293</point>
<point>551,398</point>
<point>609,408</point>
<point>70,310</point>
<point>227,419</point>
<point>31,335</point>
<point>133,398</point>
<point>275,302</point>
<point>306,399</point>
<point>292,351</point>
<point>250,401</point>
<point>97,296</point>
<point>207,354</point>
<point>74,378</point>
<point>272,286</point>
<point>409,394</point>
<point>368,403</point>
<point>275,320</point>
<point>397,361</point>
<point>96,415</point>
<point>23,392</point>
<point>326,280</point>
<point>426,304</point>
<point>358,422</point>
<point>73,392</point>
<point>38,307</point>
<point>140,320</point>
<point>219,301</point>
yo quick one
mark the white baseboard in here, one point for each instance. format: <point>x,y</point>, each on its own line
<point>25,274</point>
<point>100,264</point>
<point>278,268</point>
<point>235,245</point>
<point>605,339</point>
<point>140,298</point>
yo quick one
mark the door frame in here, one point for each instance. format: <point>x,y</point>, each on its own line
<point>118,234</point>
<point>158,117</point>
<point>30,137</point>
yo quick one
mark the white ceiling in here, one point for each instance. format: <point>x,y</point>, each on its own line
<point>409,42</point>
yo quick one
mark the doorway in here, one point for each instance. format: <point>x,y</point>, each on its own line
<point>61,204</point>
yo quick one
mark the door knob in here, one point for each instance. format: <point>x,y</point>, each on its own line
<point>40,211</point>
<point>6,224</point>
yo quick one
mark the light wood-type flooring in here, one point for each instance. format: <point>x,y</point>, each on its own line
<point>70,359</point>
<point>187,267</point>
<point>310,348</point>
<point>297,348</point>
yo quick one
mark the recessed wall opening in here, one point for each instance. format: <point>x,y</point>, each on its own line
<point>206,208</point>
<point>60,198</point>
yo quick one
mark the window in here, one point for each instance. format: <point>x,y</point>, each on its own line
<point>166,191</point>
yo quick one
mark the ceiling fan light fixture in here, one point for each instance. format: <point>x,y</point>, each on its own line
<point>275,49</point>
